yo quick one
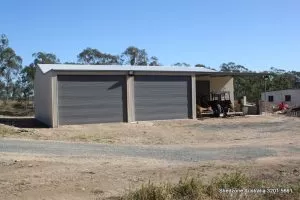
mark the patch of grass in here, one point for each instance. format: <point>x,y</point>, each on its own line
<point>18,105</point>
<point>4,132</point>
<point>19,133</point>
<point>235,180</point>
<point>194,189</point>
<point>14,108</point>
<point>150,191</point>
<point>188,188</point>
<point>92,138</point>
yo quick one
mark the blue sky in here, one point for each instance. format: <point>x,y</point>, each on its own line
<point>256,33</point>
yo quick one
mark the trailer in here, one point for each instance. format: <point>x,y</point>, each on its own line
<point>220,103</point>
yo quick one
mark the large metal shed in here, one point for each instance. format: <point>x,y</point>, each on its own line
<point>82,94</point>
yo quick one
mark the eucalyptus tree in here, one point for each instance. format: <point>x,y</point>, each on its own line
<point>10,65</point>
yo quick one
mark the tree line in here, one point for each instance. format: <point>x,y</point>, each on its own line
<point>16,80</point>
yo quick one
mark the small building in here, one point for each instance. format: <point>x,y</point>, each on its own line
<point>290,97</point>
<point>82,94</point>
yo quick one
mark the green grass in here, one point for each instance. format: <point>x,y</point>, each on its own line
<point>195,189</point>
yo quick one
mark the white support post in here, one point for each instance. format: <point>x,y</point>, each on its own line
<point>193,95</point>
<point>130,99</point>
<point>54,96</point>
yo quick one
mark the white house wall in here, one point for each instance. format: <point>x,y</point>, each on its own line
<point>279,96</point>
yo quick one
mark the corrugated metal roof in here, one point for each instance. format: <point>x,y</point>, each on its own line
<point>73,67</point>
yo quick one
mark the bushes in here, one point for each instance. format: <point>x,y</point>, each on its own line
<point>188,189</point>
<point>194,189</point>
<point>14,108</point>
<point>150,192</point>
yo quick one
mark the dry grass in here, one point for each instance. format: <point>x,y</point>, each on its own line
<point>194,189</point>
<point>14,108</point>
<point>5,132</point>
<point>9,132</point>
<point>86,137</point>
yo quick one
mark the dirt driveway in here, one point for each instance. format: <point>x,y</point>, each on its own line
<point>165,153</point>
<point>266,147</point>
<point>230,131</point>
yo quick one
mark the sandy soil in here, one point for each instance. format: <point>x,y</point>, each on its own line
<point>36,177</point>
<point>254,130</point>
<point>29,176</point>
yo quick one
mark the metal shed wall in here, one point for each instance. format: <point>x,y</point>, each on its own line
<point>43,97</point>
<point>84,99</point>
<point>162,97</point>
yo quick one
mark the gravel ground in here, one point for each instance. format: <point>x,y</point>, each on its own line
<point>99,161</point>
<point>211,132</point>
<point>164,153</point>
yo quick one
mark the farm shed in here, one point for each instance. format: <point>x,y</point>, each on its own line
<point>82,94</point>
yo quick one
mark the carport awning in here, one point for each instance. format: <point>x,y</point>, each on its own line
<point>218,74</point>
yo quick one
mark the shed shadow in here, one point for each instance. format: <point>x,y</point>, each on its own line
<point>116,85</point>
<point>22,122</point>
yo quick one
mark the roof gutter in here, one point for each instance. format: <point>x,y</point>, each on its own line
<point>216,74</point>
